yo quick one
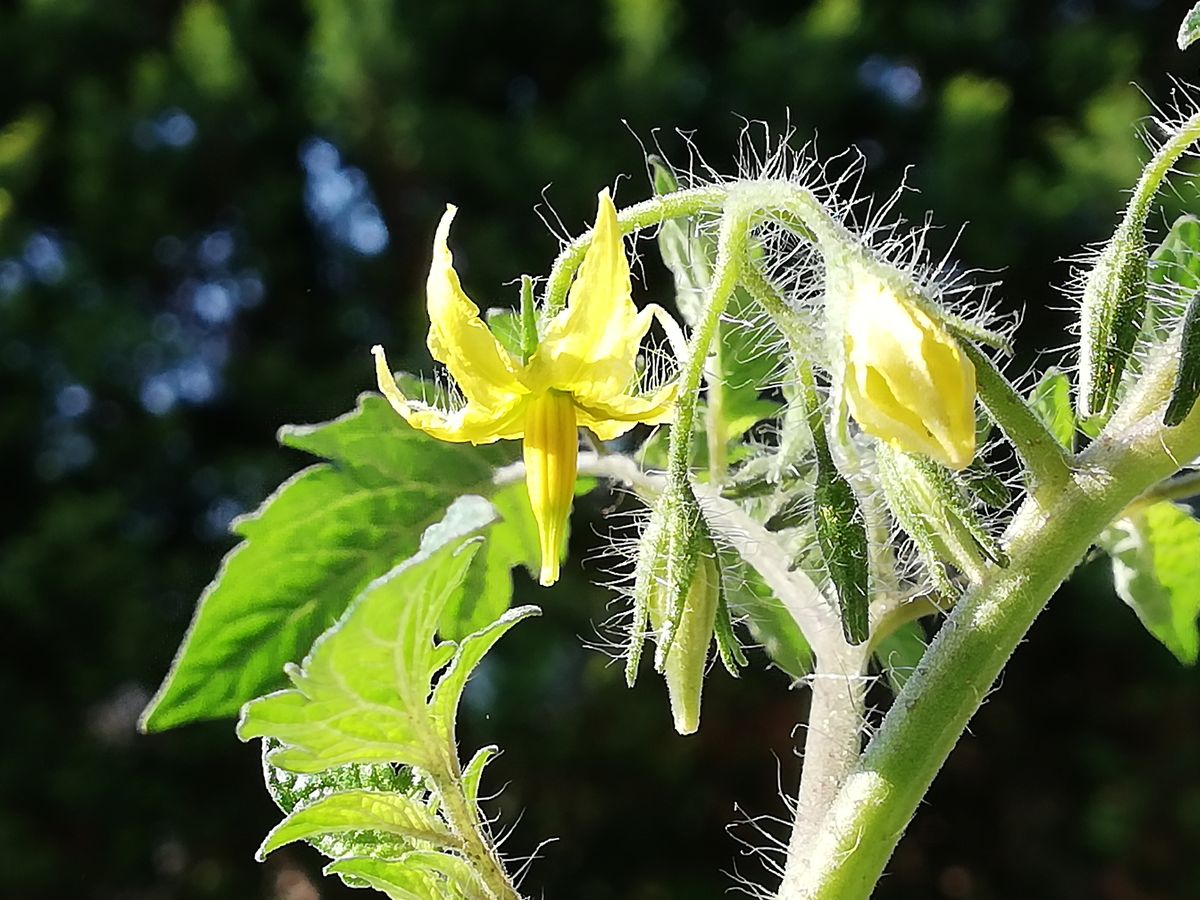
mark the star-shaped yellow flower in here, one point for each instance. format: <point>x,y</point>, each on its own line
<point>583,373</point>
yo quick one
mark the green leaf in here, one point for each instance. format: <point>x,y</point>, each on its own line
<point>459,874</point>
<point>486,592</point>
<point>292,791</point>
<point>313,545</point>
<point>1176,261</point>
<point>899,653</point>
<point>473,771</point>
<point>1051,402</point>
<point>1173,277</point>
<point>361,693</point>
<point>770,624</point>
<point>396,878</point>
<point>390,813</point>
<point>1156,570</point>
<point>444,705</point>
<point>1189,29</point>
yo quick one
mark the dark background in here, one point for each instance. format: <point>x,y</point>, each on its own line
<point>208,212</point>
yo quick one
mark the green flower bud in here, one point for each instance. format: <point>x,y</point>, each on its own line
<point>934,510</point>
<point>1114,304</point>
<point>1187,379</point>
<point>692,634</point>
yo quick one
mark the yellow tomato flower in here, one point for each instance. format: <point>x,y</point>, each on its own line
<point>583,373</point>
<point>907,381</point>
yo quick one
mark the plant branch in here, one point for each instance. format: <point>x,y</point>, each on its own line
<point>1049,535</point>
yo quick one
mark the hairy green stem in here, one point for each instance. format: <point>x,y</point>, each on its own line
<point>463,817</point>
<point>1157,170</point>
<point>1045,459</point>
<point>730,241</point>
<point>640,215</point>
<point>1049,535</point>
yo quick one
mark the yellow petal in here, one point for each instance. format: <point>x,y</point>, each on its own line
<point>591,346</point>
<point>907,381</point>
<point>613,417</point>
<point>473,424</point>
<point>551,461</point>
<point>458,338</point>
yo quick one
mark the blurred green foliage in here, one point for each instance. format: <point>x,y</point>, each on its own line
<point>209,211</point>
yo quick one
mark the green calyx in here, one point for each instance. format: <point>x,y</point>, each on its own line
<point>935,511</point>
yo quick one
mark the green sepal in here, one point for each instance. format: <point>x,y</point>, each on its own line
<point>982,481</point>
<point>842,537</point>
<point>728,646</point>
<point>647,576</point>
<point>1114,305</point>
<point>529,324</point>
<point>1187,379</point>
<point>934,510</point>
<point>840,528</point>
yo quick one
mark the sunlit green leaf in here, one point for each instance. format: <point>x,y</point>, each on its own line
<point>473,771</point>
<point>486,592</point>
<point>444,704</point>
<point>360,695</point>
<point>770,624</point>
<point>396,878</point>
<point>312,546</point>
<point>291,791</point>
<point>1051,402</point>
<point>384,812</point>
<point>1156,570</point>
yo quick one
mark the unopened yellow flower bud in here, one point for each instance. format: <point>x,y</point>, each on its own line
<point>906,379</point>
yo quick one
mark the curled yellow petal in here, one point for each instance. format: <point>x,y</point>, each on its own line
<point>591,346</point>
<point>458,338</point>
<point>612,417</point>
<point>907,381</point>
<point>472,423</point>
<point>551,461</point>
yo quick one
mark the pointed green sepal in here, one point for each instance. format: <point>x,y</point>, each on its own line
<point>1187,379</point>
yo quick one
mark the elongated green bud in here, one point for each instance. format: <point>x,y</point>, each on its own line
<point>685,662</point>
<point>1187,379</point>
<point>935,512</point>
<point>686,536</point>
<point>1114,305</point>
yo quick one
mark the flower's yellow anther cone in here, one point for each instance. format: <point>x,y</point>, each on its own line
<point>582,374</point>
<point>907,381</point>
<point>551,460</point>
